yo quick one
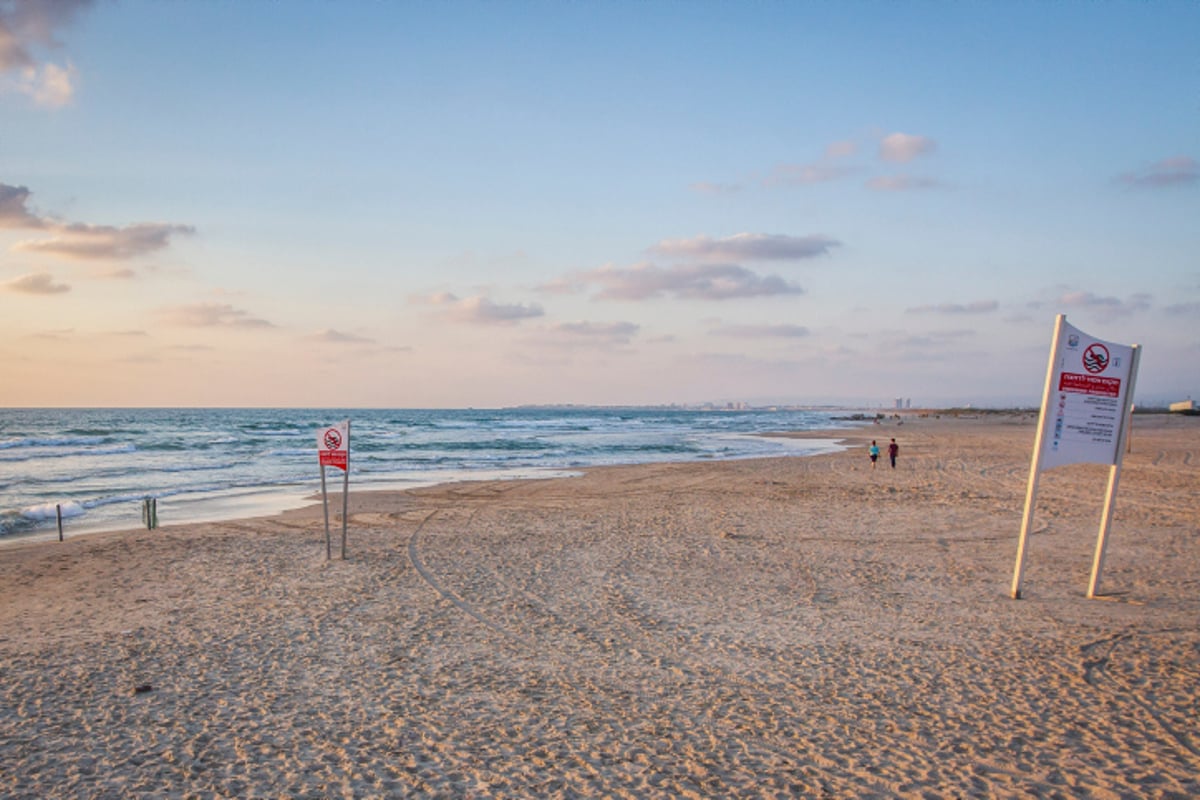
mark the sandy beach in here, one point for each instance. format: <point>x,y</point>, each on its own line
<point>790,627</point>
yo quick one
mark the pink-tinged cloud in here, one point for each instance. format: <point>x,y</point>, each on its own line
<point>1107,307</point>
<point>1183,310</point>
<point>87,242</point>
<point>212,315</point>
<point>746,247</point>
<point>763,331</point>
<point>707,187</point>
<point>805,174</point>
<point>330,336</point>
<point>598,332</point>
<point>902,147</point>
<point>843,149</point>
<point>29,24</point>
<point>901,183</point>
<point>692,282</point>
<point>1177,171</point>
<point>978,307</point>
<point>479,310</point>
<point>25,24</point>
<point>14,211</point>
<point>38,283</point>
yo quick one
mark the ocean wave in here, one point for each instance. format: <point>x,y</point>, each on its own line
<point>51,441</point>
<point>88,451</point>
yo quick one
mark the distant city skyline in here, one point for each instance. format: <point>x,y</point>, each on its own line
<point>469,204</point>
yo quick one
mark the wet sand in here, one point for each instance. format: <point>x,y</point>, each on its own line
<point>792,627</point>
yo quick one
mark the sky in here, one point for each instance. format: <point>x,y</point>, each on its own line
<point>485,204</point>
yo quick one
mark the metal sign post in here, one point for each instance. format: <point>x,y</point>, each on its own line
<point>333,449</point>
<point>1114,477</point>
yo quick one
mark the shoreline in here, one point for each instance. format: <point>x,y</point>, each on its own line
<point>781,626</point>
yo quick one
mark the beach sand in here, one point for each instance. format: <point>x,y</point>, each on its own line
<point>792,627</point>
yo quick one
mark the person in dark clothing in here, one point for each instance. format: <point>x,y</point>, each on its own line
<point>893,451</point>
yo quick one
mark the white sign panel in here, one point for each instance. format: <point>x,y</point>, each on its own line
<point>1086,402</point>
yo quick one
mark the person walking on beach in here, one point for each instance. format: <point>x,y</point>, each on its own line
<point>874,453</point>
<point>893,451</point>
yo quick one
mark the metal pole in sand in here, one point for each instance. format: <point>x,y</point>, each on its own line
<point>345,490</point>
<point>1114,477</point>
<point>325,505</point>
<point>1035,465</point>
<point>58,513</point>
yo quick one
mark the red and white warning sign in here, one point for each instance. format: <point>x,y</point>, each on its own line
<point>1087,401</point>
<point>333,445</point>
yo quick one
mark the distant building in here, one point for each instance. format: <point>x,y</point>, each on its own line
<point>1184,407</point>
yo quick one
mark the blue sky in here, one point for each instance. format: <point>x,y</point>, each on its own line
<point>476,204</point>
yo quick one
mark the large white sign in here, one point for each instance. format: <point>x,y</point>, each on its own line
<point>1086,406</point>
<point>1086,412</point>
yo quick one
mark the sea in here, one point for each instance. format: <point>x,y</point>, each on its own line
<point>98,466</point>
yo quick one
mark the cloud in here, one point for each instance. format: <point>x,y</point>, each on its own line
<point>901,183</point>
<point>78,240</point>
<point>330,336</point>
<point>706,187</point>
<point>843,149</point>
<point>746,247</point>
<point>1177,171</point>
<point>38,283</point>
<point>902,147</point>
<point>805,174</point>
<point>1107,307</point>
<point>82,241</point>
<point>49,85</point>
<point>26,27</point>
<point>479,310</point>
<point>14,213</point>
<point>212,315</point>
<point>1183,310</point>
<point>694,282</point>
<point>762,331</point>
<point>607,331</point>
<point>978,307</point>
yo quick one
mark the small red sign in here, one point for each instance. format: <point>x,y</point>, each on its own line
<point>333,446</point>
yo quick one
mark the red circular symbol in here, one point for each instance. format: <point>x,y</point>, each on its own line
<point>333,439</point>
<point>1095,358</point>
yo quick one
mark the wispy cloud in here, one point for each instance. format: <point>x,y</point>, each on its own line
<point>38,283</point>
<point>746,247</point>
<point>688,281</point>
<point>902,183</point>
<point>978,307</point>
<point>480,310</point>
<point>1106,307</point>
<point>331,336</point>
<point>1183,310</point>
<point>78,240</point>
<point>902,147</point>
<point>81,241</point>
<point>828,168</point>
<point>589,334</point>
<point>762,331</point>
<point>212,315</point>
<point>707,187</point>
<point>806,174</point>
<point>27,27</point>
<point>1177,171</point>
